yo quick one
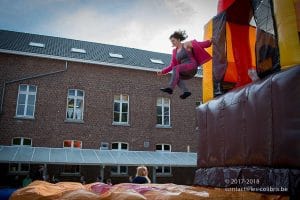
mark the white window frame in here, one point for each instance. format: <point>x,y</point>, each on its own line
<point>72,144</point>
<point>163,147</point>
<point>75,97</point>
<point>120,146</point>
<point>18,171</point>
<point>22,141</point>
<point>71,173</point>
<point>121,102</point>
<point>27,93</point>
<point>163,173</point>
<point>118,173</point>
<point>163,99</point>
<point>102,146</point>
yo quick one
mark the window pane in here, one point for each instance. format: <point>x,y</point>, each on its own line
<point>125,98</point>
<point>124,117</point>
<point>70,103</point>
<point>115,146</point>
<point>166,102</point>
<point>79,109</point>
<point>159,110</point>
<point>117,107</point>
<point>159,170</point>
<point>159,120</point>
<point>27,141</point>
<point>158,147</point>
<point>71,92</point>
<point>124,146</point>
<point>21,109</point>
<point>22,98</point>
<point>117,97</point>
<point>13,167</point>
<point>32,88</point>
<point>68,143</point>
<point>159,102</point>
<point>31,99</point>
<point>23,88</point>
<point>166,120</point>
<point>114,169</point>
<point>167,170</point>
<point>167,147</point>
<point>116,117</point>
<point>77,144</point>
<point>17,141</point>
<point>125,107</point>
<point>123,169</point>
<point>24,167</point>
<point>29,111</point>
<point>80,93</point>
<point>166,111</point>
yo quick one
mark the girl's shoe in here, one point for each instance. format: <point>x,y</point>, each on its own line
<point>185,95</point>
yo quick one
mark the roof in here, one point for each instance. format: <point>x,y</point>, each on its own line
<point>47,155</point>
<point>81,51</point>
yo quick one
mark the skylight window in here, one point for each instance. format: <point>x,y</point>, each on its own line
<point>116,55</point>
<point>36,44</point>
<point>76,50</point>
<point>156,61</point>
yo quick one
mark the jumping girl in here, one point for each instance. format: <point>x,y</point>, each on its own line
<point>186,58</point>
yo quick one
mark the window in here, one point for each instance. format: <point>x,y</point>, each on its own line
<point>121,109</point>
<point>119,170</point>
<point>104,146</point>
<point>71,169</point>
<point>19,167</point>
<point>116,55</point>
<point>76,50</point>
<point>36,44</point>
<point>119,146</point>
<point>146,144</point>
<point>21,141</point>
<point>163,112</point>
<point>156,61</point>
<point>163,171</point>
<point>72,144</point>
<point>163,147</point>
<point>26,101</point>
<point>75,105</point>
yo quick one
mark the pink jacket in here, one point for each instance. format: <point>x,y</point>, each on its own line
<point>199,53</point>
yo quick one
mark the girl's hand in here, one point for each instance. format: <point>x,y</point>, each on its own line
<point>159,73</point>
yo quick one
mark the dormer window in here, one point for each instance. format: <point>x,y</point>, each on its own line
<point>76,50</point>
<point>36,44</point>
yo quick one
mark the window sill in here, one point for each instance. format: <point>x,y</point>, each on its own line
<point>69,174</point>
<point>162,126</point>
<point>164,175</point>
<point>24,117</point>
<point>118,175</point>
<point>74,121</point>
<point>120,124</point>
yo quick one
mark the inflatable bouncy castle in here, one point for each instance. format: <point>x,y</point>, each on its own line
<point>252,38</point>
<point>249,124</point>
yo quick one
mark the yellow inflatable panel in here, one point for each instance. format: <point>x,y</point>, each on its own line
<point>288,33</point>
<point>207,81</point>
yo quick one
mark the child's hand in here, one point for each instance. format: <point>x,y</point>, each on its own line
<point>159,73</point>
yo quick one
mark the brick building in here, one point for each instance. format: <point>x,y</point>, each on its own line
<point>67,94</point>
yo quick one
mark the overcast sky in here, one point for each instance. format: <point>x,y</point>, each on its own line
<point>142,24</point>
